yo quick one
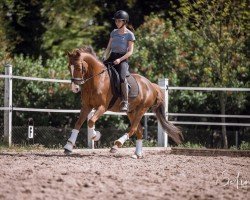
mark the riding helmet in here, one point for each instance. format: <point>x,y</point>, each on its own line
<point>121,14</point>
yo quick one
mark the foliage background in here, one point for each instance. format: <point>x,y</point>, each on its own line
<point>193,43</point>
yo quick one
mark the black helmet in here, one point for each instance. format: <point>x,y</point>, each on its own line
<point>121,14</point>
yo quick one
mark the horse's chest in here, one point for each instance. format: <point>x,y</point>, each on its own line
<point>92,97</point>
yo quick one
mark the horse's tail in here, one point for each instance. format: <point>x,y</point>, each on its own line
<point>159,109</point>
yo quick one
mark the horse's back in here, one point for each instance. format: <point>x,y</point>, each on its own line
<point>143,82</point>
<point>145,98</point>
<point>147,90</point>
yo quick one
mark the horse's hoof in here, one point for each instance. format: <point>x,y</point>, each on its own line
<point>69,146</point>
<point>135,156</point>
<point>97,136</point>
<point>67,152</point>
<point>113,150</point>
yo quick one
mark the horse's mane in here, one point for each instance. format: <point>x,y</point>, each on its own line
<point>85,49</point>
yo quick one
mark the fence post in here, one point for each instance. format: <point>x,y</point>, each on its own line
<point>91,143</point>
<point>162,140</point>
<point>237,140</point>
<point>145,127</point>
<point>8,105</point>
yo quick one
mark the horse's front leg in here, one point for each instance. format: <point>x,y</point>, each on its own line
<point>71,141</point>
<point>95,135</point>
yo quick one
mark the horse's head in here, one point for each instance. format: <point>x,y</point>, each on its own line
<point>77,66</point>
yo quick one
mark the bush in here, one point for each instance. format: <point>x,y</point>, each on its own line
<point>191,145</point>
<point>245,145</point>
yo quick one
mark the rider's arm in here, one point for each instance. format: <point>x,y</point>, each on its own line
<point>107,51</point>
<point>129,52</point>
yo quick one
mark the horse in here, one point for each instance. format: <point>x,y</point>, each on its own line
<point>90,74</point>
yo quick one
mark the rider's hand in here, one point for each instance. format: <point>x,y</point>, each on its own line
<point>117,61</point>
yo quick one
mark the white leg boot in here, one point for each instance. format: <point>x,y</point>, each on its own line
<point>72,140</point>
<point>138,150</point>
<point>121,140</point>
<point>119,143</point>
<point>95,135</point>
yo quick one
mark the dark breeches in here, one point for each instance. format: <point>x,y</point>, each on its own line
<point>122,68</point>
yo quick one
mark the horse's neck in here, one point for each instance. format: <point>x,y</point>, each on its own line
<point>98,84</point>
<point>95,66</point>
<point>95,70</point>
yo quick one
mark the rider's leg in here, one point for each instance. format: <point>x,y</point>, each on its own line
<point>124,86</point>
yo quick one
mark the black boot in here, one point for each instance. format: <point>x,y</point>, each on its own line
<point>124,103</point>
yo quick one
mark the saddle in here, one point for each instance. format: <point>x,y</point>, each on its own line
<point>116,85</point>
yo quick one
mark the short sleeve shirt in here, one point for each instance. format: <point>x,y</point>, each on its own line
<point>119,43</point>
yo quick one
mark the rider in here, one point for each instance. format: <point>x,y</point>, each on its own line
<point>120,48</point>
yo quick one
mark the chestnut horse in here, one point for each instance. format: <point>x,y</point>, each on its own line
<point>91,75</point>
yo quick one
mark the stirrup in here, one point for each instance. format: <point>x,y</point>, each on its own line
<point>125,106</point>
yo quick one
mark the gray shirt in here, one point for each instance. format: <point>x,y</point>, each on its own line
<point>119,43</point>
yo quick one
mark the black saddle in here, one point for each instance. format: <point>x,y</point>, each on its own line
<point>116,85</point>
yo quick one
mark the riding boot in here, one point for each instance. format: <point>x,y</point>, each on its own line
<point>125,105</point>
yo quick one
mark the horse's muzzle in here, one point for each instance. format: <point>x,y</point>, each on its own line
<point>75,88</point>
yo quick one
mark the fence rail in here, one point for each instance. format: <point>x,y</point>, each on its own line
<point>211,89</point>
<point>163,83</point>
<point>122,113</point>
<point>166,87</point>
<point>147,114</point>
<point>35,79</point>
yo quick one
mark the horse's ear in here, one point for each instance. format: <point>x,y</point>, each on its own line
<point>68,53</point>
<point>78,53</point>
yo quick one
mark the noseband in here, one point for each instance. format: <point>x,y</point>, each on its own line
<point>77,80</point>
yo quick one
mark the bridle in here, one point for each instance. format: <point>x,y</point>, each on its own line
<point>81,81</point>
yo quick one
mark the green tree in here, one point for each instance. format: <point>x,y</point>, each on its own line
<point>183,54</point>
<point>163,51</point>
<point>49,27</point>
<point>137,10</point>
<point>223,27</point>
<point>4,45</point>
<point>22,27</point>
<point>70,24</point>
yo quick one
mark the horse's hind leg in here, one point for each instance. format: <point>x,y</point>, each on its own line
<point>134,118</point>
<point>139,132</point>
<point>139,136</point>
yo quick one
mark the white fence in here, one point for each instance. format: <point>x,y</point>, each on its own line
<point>163,83</point>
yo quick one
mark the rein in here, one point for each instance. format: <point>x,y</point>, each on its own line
<point>83,81</point>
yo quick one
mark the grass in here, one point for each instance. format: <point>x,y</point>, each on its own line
<point>21,147</point>
<point>191,145</point>
<point>243,146</point>
<point>146,143</point>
